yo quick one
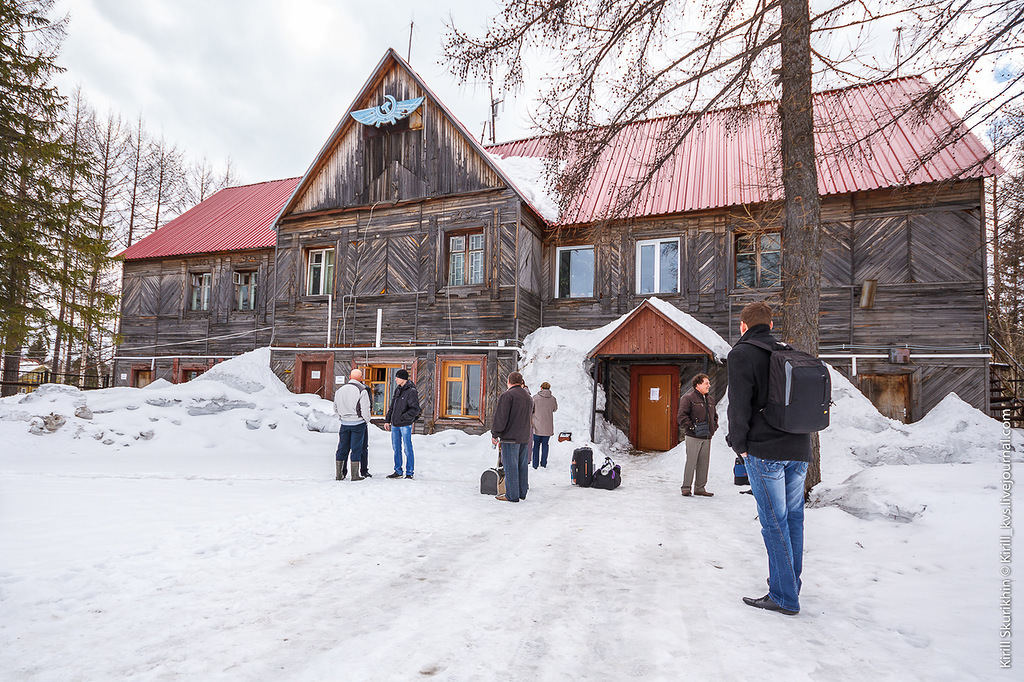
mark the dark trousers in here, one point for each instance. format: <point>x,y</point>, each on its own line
<point>352,440</point>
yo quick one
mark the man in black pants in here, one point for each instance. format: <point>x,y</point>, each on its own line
<point>512,426</point>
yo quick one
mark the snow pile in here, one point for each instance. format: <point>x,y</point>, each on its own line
<point>249,373</point>
<point>196,532</point>
<point>529,175</point>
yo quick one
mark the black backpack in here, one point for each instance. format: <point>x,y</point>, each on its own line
<point>799,389</point>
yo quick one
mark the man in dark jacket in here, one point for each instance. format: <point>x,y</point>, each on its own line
<point>776,462</point>
<point>404,410</point>
<point>699,420</point>
<point>512,428</point>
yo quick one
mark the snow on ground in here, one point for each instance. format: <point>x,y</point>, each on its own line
<point>196,532</point>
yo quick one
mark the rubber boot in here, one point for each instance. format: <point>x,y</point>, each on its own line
<point>338,473</point>
<point>356,476</point>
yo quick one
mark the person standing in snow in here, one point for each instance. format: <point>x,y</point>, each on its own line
<point>404,410</point>
<point>699,420</point>
<point>544,408</point>
<point>776,462</point>
<point>512,427</point>
<point>352,404</point>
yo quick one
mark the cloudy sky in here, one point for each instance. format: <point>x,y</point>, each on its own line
<point>262,81</point>
<point>265,82</point>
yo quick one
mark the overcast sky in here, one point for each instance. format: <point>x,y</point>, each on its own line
<point>262,81</point>
<point>265,82</point>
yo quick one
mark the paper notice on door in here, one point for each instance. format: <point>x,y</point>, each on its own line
<point>315,374</point>
<point>655,395</point>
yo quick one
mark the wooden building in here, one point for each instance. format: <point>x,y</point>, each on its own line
<point>408,245</point>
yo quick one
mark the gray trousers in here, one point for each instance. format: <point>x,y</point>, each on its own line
<point>698,457</point>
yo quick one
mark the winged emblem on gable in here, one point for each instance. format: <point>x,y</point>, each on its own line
<point>390,112</point>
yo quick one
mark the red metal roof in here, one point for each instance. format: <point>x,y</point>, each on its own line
<point>867,137</point>
<point>233,219</point>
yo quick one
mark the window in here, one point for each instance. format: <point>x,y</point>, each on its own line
<point>460,388</point>
<point>758,259</point>
<point>320,274</point>
<point>575,272</point>
<point>657,266</point>
<point>245,290</point>
<point>466,259</point>
<point>200,296</point>
<point>380,379</point>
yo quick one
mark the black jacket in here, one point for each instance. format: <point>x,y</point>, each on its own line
<point>513,416</point>
<point>405,405</point>
<point>748,394</point>
<point>695,408</point>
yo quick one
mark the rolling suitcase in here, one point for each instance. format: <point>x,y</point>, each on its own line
<point>582,467</point>
<point>492,481</point>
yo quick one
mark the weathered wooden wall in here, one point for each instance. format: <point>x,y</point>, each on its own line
<point>374,165</point>
<point>923,246</point>
<point>155,315</point>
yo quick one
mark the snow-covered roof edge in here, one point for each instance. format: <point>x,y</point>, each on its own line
<point>694,327</point>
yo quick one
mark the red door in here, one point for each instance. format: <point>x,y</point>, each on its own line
<point>314,378</point>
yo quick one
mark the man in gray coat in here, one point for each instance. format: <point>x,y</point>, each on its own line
<point>352,403</point>
<point>511,427</point>
<point>544,408</point>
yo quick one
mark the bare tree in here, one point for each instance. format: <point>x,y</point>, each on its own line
<point>166,179</point>
<point>138,155</point>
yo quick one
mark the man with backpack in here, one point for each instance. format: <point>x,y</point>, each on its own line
<point>776,460</point>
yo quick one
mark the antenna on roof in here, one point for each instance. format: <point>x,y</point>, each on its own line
<point>494,103</point>
<point>408,54</point>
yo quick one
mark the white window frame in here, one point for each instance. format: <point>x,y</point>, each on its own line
<point>199,291</point>
<point>466,264</point>
<point>658,288</point>
<point>327,268</point>
<point>558,269</point>
<point>245,290</point>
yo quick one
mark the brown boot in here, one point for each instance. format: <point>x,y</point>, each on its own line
<point>339,473</point>
<point>355,471</point>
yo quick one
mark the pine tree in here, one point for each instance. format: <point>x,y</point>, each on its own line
<point>33,162</point>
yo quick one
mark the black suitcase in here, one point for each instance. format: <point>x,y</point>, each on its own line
<point>582,467</point>
<point>492,482</point>
<point>608,477</point>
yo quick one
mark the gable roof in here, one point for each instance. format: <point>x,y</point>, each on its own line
<point>233,219</point>
<point>867,137</point>
<point>392,59</point>
<point>656,327</point>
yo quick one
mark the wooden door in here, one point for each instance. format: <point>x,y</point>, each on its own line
<point>142,378</point>
<point>654,400</point>
<point>890,393</point>
<point>314,378</point>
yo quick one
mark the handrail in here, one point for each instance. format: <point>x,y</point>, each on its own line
<point>1006,354</point>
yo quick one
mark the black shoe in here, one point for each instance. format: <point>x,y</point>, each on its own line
<point>397,474</point>
<point>767,604</point>
<point>408,475</point>
<point>366,474</point>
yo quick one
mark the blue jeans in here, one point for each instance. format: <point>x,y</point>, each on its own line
<point>351,438</point>
<point>515,457</point>
<point>400,435</point>
<point>778,488</point>
<point>540,449</point>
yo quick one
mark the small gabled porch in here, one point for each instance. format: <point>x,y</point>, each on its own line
<point>645,363</point>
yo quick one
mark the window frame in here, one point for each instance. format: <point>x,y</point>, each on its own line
<point>387,384</point>
<point>758,255</point>
<point>205,286</point>
<point>253,286</point>
<point>326,282</point>
<point>656,243</point>
<point>466,252</point>
<point>441,392</point>
<point>558,269</point>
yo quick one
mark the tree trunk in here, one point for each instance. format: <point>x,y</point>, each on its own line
<point>801,227</point>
